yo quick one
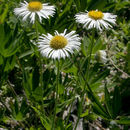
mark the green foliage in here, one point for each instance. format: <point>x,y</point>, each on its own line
<point>95,93</point>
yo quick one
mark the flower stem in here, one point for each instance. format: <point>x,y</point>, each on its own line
<point>36,29</point>
<point>41,63</point>
<point>56,97</point>
<point>41,60</point>
<point>88,68</point>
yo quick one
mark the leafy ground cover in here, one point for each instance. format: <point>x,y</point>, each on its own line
<point>88,90</point>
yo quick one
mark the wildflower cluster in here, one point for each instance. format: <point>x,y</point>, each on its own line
<point>62,66</point>
<point>61,45</point>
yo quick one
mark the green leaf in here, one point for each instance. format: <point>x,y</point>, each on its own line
<point>67,8</point>
<point>60,124</point>
<point>46,121</point>
<point>98,110</point>
<point>85,113</point>
<point>24,108</point>
<point>35,78</point>
<point>61,89</point>
<point>98,46</point>
<point>9,63</point>
<point>16,106</point>
<point>46,76</point>
<point>97,105</point>
<point>77,2</point>
<point>116,103</point>
<point>4,14</point>
<point>73,70</point>
<point>99,77</point>
<point>9,41</point>
<point>85,47</point>
<point>81,4</point>
<point>124,121</point>
<point>91,117</point>
<point>108,102</point>
<point>27,83</point>
<point>128,56</point>
<point>27,53</point>
<point>38,94</point>
<point>19,117</point>
<point>1,60</point>
<point>79,107</point>
<point>98,4</point>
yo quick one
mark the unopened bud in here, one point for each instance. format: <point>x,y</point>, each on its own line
<point>101,56</point>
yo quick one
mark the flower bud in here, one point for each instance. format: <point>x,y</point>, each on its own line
<point>101,56</point>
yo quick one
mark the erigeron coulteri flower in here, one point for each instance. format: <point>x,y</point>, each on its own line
<point>96,19</point>
<point>60,45</point>
<point>31,9</point>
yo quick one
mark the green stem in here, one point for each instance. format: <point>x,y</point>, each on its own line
<point>41,63</point>
<point>88,67</point>
<point>86,84</point>
<point>36,30</point>
<point>41,60</point>
<point>56,98</point>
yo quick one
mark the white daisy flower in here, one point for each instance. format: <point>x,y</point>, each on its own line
<point>60,45</point>
<point>31,9</point>
<point>96,19</point>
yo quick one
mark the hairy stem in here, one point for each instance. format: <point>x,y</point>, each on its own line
<point>88,68</point>
<point>56,97</point>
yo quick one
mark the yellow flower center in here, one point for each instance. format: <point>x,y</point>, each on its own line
<point>95,14</point>
<point>58,42</point>
<point>35,6</point>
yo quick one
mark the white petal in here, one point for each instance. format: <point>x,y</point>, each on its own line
<point>73,44</point>
<point>43,13</point>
